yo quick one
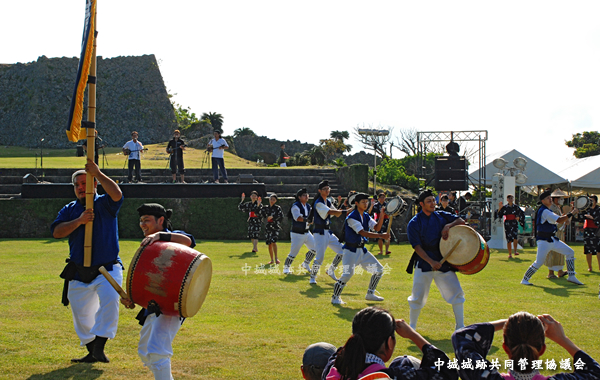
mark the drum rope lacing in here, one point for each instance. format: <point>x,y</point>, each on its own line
<point>132,271</point>
<point>187,273</point>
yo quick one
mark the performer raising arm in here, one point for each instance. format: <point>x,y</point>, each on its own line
<point>545,225</point>
<point>322,210</point>
<point>94,303</point>
<point>524,343</point>
<point>357,226</point>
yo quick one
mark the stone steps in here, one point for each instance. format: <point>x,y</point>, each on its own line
<point>283,182</point>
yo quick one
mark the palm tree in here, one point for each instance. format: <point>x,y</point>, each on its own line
<point>316,155</point>
<point>216,119</point>
<point>339,135</point>
<point>243,132</point>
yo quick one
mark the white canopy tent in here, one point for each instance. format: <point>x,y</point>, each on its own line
<point>584,174</point>
<point>537,175</point>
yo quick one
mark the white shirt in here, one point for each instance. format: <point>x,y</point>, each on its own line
<point>322,209</point>
<point>357,226</point>
<point>218,153</point>
<point>549,216</point>
<point>296,213</point>
<point>135,148</point>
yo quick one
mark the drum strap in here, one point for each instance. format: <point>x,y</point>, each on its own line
<point>356,245</point>
<point>547,236</point>
<point>73,271</point>
<point>411,263</point>
<point>321,227</point>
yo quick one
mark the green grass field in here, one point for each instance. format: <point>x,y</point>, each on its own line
<point>258,325</point>
<point>154,158</point>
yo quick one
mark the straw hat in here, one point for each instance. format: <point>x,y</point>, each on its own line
<point>558,193</point>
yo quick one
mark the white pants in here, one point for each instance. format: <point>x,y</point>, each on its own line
<point>543,247</point>
<point>328,239</point>
<point>155,347</point>
<point>284,165</point>
<point>447,283</point>
<point>365,259</point>
<point>95,306</point>
<point>298,240</point>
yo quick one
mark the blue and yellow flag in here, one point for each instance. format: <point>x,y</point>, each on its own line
<point>74,132</point>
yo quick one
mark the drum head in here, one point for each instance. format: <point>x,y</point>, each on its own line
<point>393,206</point>
<point>582,203</point>
<point>196,286</point>
<point>465,252</point>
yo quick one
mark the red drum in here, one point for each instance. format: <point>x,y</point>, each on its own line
<point>172,275</point>
<point>471,255</point>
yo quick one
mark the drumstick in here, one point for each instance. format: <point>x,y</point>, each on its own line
<point>390,223</point>
<point>114,284</point>
<point>450,252</point>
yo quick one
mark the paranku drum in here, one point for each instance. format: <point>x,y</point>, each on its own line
<point>173,276</point>
<point>471,255</point>
<point>351,199</point>
<point>583,203</point>
<point>396,206</point>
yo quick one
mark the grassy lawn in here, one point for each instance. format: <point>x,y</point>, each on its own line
<point>258,325</point>
<point>154,158</point>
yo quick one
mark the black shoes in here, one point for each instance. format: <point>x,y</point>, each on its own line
<point>96,352</point>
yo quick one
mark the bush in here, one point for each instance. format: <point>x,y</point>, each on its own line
<point>392,172</point>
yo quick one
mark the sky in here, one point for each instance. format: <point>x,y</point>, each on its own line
<point>525,71</point>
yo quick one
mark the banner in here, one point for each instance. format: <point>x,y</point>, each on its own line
<point>74,132</point>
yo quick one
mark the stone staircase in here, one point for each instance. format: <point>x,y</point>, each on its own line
<point>284,182</point>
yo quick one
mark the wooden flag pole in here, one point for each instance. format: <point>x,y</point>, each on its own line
<point>91,148</point>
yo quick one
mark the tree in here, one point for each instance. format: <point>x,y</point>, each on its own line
<point>184,117</point>
<point>378,141</point>
<point>586,144</point>
<point>407,142</point>
<point>316,155</point>
<point>340,135</point>
<point>216,119</point>
<point>392,172</point>
<point>331,147</point>
<point>243,132</point>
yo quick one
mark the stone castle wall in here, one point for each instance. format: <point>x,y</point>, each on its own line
<point>35,98</point>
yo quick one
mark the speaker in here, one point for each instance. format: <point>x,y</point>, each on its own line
<point>451,173</point>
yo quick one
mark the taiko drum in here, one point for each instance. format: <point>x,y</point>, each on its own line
<point>173,276</point>
<point>471,255</point>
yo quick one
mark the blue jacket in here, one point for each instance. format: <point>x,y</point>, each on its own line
<point>352,239</point>
<point>321,224</point>
<point>546,230</point>
<point>300,227</point>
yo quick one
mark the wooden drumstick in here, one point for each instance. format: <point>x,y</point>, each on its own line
<point>390,224</point>
<point>450,252</point>
<point>114,284</point>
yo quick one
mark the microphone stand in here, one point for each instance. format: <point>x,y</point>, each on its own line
<point>42,156</point>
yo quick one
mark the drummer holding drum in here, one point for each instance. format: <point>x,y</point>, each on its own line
<point>545,229</point>
<point>425,230</point>
<point>158,331</point>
